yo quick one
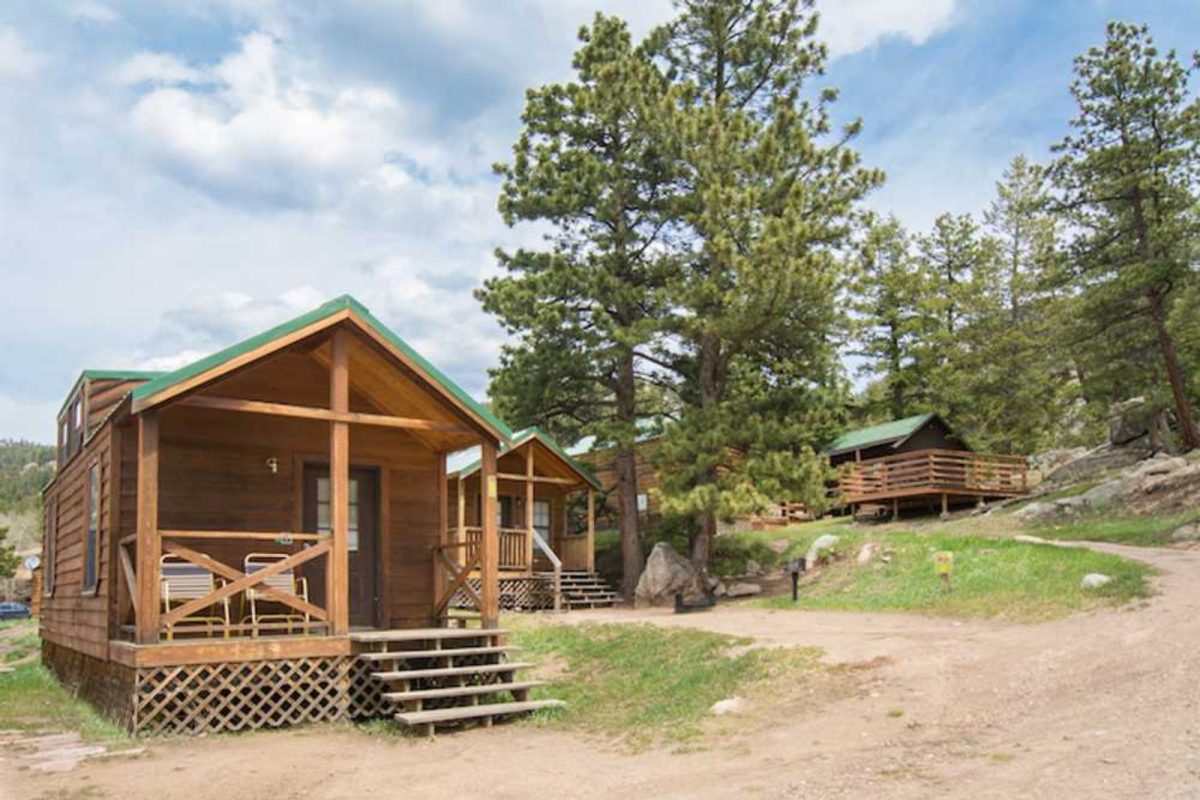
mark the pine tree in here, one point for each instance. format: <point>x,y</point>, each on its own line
<point>9,561</point>
<point>885,294</point>
<point>589,165</point>
<point>769,195</point>
<point>1126,175</point>
<point>1021,392</point>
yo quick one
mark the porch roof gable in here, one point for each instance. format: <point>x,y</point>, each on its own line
<point>152,392</point>
<point>466,462</point>
<point>895,431</point>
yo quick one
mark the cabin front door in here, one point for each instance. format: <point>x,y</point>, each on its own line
<point>364,537</point>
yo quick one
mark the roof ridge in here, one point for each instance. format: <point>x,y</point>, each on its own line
<point>326,309</point>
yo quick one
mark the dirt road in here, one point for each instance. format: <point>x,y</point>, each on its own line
<point>1100,705</point>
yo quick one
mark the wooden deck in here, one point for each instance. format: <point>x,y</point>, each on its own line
<point>933,474</point>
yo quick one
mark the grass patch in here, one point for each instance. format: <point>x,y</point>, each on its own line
<point>1149,531</point>
<point>31,699</point>
<point>992,578</point>
<point>607,539</point>
<point>646,684</point>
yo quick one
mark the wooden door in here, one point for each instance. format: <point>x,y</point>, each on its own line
<point>364,538</point>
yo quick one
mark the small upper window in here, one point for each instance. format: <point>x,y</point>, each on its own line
<point>643,502</point>
<point>91,556</point>
<point>77,415</point>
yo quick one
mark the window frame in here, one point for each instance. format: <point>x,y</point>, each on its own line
<point>91,534</point>
<point>50,548</point>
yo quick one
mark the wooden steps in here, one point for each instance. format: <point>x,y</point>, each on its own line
<point>452,672</point>
<point>434,677</point>
<point>395,655</point>
<point>487,712</point>
<point>457,691</point>
<point>581,589</point>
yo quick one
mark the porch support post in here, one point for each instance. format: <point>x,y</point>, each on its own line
<point>591,530</point>
<point>489,544</point>
<point>443,495</point>
<point>461,527</point>
<point>149,545</point>
<point>337,576</point>
<point>529,507</point>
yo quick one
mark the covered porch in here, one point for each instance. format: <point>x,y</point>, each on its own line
<point>545,512</point>
<point>290,491</point>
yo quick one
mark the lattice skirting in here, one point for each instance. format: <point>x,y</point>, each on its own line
<point>516,594</point>
<point>223,697</point>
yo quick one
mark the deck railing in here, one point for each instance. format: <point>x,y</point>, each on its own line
<point>933,472</point>
<point>232,582</point>
<point>513,548</point>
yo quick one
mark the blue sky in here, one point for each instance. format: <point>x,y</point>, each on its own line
<point>177,175</point>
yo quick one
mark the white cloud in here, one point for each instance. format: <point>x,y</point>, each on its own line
<point>157,68</point>
<point>93,11</point>
<point>16,60</point>
<point>850,26</point>
<point>263,132</point>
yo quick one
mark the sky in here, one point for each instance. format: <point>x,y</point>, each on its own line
<point>176,175</point>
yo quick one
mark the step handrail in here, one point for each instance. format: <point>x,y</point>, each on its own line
<point>555,561</point>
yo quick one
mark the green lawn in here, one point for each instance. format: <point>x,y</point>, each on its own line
<point>32,700</point>
<point>1149,531</point>
<point>644,683</point>
<point>991,578</point>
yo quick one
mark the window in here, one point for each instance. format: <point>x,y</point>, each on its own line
<point>51,547</point>
<point>643,502</point>
<point>91,553</point>
<point>64,440</point>
<point>541,518</point>
<point>324,506</point>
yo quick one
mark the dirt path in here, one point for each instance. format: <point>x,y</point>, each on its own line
<point>1103,704</point>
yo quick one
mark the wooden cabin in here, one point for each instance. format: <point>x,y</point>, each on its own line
<point>547,522</point>
<point>259,538</point>
<point>602,461</point>
<point>919,461</point>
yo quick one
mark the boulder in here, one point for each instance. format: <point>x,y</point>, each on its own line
<point>666,574</point>
<point>730,705</point>
<point>1094,580</point>
<point>867,552</point>
<point>1036,511</point>
<point>753,567</point>
<point>1187,533</point>
<point>742,589</point>
<point>780,546</point>
<point>822,545</point>
<point>719,589</point>
<point>1161,464</point>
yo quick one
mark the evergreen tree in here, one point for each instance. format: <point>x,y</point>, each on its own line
<point>9,561</point>
<point>1126,175</point>
<point>769,195</point>
<point>885,294</point>
<point>1020,394</point>
<point>589,165</point>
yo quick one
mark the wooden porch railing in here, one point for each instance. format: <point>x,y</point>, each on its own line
<point>514,553</point>
<point>233,580</point>
<point>933,472</point>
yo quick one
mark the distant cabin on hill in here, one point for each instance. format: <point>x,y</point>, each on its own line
<point>919,462</point>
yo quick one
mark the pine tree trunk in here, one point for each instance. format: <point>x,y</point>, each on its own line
<point>710,392</point>
<point>1166,345</point>
<point>627,491</point>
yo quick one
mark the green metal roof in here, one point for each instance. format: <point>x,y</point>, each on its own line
<point>465,462</point>
<point>879,434</point>
<point>121,374</point>
<point>328,309</point>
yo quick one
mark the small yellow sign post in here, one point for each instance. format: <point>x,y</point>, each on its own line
<point>943,564</point>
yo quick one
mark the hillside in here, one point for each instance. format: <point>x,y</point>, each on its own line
<point>25,467</point>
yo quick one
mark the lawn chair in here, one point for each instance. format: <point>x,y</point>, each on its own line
<point>286,581</point>
<point>182,582</point>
